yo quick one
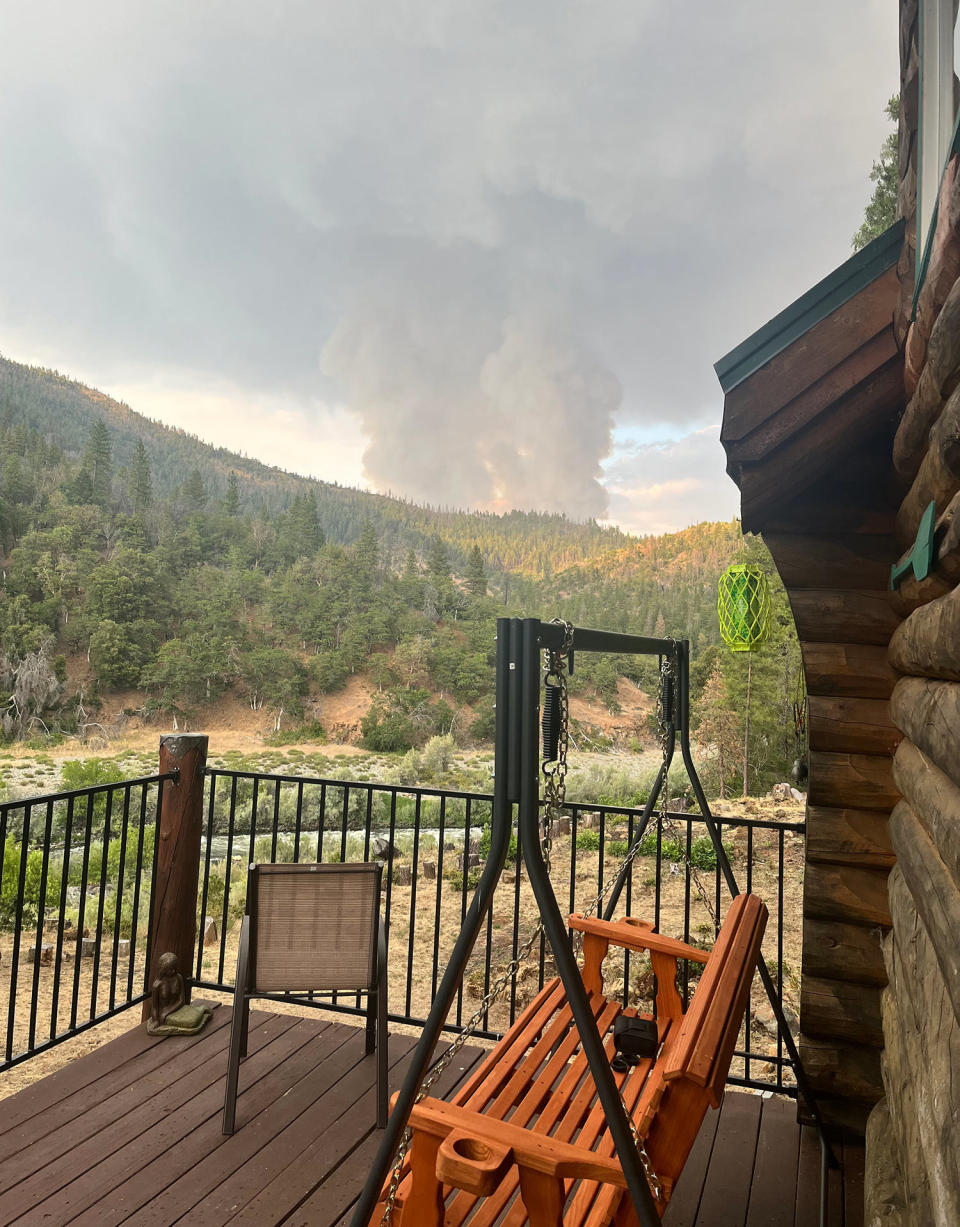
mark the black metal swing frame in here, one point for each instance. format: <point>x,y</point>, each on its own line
<point>520,645</point>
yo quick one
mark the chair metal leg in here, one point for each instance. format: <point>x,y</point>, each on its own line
<point>238,1029</point>
<point>233,1067</point>
<point>370,1039</point>
<point>244,1025</point>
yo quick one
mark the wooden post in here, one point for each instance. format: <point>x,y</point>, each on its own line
<point>173,916</point>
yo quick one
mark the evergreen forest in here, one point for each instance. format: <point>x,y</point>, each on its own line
<point>139,562</point>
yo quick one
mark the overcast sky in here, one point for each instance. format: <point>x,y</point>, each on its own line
<point>476,252</point>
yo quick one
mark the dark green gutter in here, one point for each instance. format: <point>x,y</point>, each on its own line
<point>842,284</point>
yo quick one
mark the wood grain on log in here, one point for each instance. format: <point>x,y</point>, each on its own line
<point>832,615</point>
<point>928,712</point>
<point>838,950</point>
<point>818,398</point>
<point>935,894</point>
<point>921,1064</point>
<point>174,906</point>
<point>857,420</point>
<point>851,781</point>
<point>943,264</point>
<point>927,644</point>
<point>923,409</point>
<point>836,1009</point>
<point>846,893</point>
<point>851,1070</point>
<point>843,561</point>
<point>854,725</point>
<point>883,1181</point>
<point>938,478</point>
<point>849,837</point>
<point>848,669</point>
<point>934,798</point>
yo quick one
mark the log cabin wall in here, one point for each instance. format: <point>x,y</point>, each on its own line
<point>812,404</point>
<point>913,1136</point>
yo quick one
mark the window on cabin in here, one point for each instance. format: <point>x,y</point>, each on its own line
<point>939,55</point>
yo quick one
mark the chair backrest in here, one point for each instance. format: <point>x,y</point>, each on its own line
<point>313,926</point>
<point>703,1046</point>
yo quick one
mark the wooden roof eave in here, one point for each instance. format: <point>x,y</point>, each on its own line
<point>794,414</point>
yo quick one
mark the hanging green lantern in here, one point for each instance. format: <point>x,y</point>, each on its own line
<point>743,607</point>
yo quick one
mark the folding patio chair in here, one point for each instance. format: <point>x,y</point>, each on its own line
<point>311,927</point>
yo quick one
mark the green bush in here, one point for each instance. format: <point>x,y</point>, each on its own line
<point>28,906</point>
<point>617,847</point>
<point>588,841</point>
<point>313,731</point>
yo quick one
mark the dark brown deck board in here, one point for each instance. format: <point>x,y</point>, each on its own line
<point>685,1201</point>
<point>222,1185</point>
<point>351,1176</point>
<point>155,1182</point>
<point>726,1190</point>
<point>80,1174</point>
<point>775,1166</point>
<point>111,1079</point>
<point>131,1133</point>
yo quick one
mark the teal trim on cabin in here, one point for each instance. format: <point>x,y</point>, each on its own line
<point>842,284</point>
<point>923,254</point>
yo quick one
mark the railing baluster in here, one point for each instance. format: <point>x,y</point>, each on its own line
<point>58,954</point>
<point>296,834</point>
<point>82,909</point>
<point>226,879</point>
<point>41,920</point>
<point>101,901</point>
<point>413,897</point>
<point>438,902</point>
<point>15,955</point>
<point>135,917</point>
<point>205,886</point>
<point>118,904</point>
<point>276,821</point>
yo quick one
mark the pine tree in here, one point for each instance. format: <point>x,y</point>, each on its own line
<point>99,463</point>
<point>141,482</point>
<point>194,494</point>
<point>476,575</point>
<point>231,502</point>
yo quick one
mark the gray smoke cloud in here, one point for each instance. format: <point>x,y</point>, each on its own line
<point>492,232</point>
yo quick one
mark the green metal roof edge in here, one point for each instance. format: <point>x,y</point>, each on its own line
<point>833,291</point>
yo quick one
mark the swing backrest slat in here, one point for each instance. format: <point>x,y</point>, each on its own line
<point>703,1046</point>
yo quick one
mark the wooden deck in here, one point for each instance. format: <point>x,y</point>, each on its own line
<point>131,1133</point>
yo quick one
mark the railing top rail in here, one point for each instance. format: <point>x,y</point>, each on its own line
<point>374,785</point>
<point>414,790</point>
<point>91,791</point>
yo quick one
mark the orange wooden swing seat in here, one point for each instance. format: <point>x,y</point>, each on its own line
<point>525,1139</point>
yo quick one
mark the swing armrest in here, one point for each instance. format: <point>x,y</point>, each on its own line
<point>509,1144</point>
<point>635,935</point>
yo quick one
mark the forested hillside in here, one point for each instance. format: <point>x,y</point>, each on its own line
<point>138,560</point>
<point>64,412</point>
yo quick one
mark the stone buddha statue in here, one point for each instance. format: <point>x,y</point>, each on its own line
<point>170,1012</point>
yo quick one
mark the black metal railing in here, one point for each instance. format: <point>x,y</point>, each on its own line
<point>432,842</point>
<point>75,878</point>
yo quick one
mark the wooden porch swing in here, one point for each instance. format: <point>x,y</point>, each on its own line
<point>584,1113</point>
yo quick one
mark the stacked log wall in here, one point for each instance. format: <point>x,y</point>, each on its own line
<point>836,582</point>
<point>916,1130</point>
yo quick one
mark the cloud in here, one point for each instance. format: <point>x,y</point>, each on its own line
<point>662,487</point>
<point>489,230</point>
